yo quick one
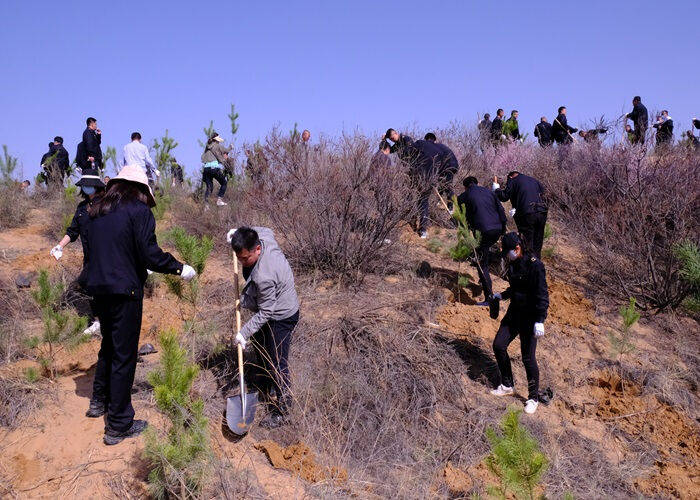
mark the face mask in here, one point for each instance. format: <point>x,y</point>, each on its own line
<point>88,190</point>
<point>512,255</point>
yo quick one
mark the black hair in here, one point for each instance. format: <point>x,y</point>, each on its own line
<point>512,173</point>
<point>513,112</point>
<point>487,116</point>
<point>389,131</point>
<point>430,136</point>
<point>90,120</point>
<point>135,135</point>
<point>664,111</point>
<point>499,111</point>
<point>245,238</point>
<point>637,99</point>
<point>560,108</point>
<point>119,192</point>
<point>27,181</point>
<point>384,145</point>
<point>58,139</point>
<point>468,181</point>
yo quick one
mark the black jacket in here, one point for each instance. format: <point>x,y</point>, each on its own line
<point>59,155</point>
<point>121,246</point>
<point>78,227</point>
<point>696,123</point>
<point>484,211</point>
<point>91,142</point>
<point>640,118</point>
<point>543,132</point>
<point>664,131</point>
<point>405,149</point>
<point>529,298</point>
<point>448,160</point>
<point>561,131</point>
<point>525,194</point>
<point>428,157</point>
<point>496,128</point>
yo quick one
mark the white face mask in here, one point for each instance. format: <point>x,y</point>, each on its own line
<point>512,255</point>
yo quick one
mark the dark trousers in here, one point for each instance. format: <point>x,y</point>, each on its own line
<point>531,229</point>
<point>483,255</point>
<point>208,177</point>
<point>445,187</point>
<point>528,343</point>
<point>424,209</point>
<point>120,322</point>
<point>271,343</point>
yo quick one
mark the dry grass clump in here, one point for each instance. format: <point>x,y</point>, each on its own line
<point>18,398</point>
<point>14,206</point>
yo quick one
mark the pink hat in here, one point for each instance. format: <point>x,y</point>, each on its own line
<point>134,173</point>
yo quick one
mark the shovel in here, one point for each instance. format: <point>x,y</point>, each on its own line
<point>240,410</point>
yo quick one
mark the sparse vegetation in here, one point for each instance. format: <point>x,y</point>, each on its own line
<point>621,343</point>
<point>467,242</point>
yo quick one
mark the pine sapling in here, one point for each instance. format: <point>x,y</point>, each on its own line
<point>467,241</point>
<point>621,343</point>
<point>516,458</point>
<point>688,254</point>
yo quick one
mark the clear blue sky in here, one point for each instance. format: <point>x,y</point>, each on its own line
<point>331,66</point>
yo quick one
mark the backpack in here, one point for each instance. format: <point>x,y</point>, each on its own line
<point>81,156</point>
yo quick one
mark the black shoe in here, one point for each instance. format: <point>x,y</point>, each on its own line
<point>97,409</point>
<point>273,420</point>
<point>137,427</point>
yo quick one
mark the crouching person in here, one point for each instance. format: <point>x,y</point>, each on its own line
<point>122,246</point>
<point>529,301</point>
<point>269,292</point>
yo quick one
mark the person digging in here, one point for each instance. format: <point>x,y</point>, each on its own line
<point>270,294</point>
<point>529,302</point>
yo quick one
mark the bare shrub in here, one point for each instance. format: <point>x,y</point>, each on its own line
<point>14,206</point>
<point>333,213</point>
<point>18,399</point>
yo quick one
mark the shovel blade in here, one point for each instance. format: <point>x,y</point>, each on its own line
<point>238,422</point>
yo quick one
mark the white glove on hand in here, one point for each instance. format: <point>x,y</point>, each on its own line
<point>229,235</point>
<point>495,186</point>
<point>240,339</point>
<point>56,252</point>
<point>512,212</point>
<point>539,329</point>
<point>157,173</point>
<point>188,272</point>
<point>149,272</point>
<point>497,296</point>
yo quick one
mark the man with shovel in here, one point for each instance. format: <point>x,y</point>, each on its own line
<point>269,292</point>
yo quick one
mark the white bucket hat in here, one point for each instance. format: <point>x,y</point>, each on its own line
<point>134,173</point>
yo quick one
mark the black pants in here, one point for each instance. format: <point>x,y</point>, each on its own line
<point>120,322</point>
<point>424,209</point>
<point>445,187</point>
<point>271,343</point>
<point>208,177</point>
<point>528,343</point>
<point>531,229</point>
<point>483,255</point>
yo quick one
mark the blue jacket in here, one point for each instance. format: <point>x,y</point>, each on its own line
<point>448,160</point>
<point>525,194</point>
<point>122,245</point>
<point>428,159</point>
<point>484,211</point>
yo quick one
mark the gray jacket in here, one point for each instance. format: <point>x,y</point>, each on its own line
<point>214,151</point>
<point>269,291</point>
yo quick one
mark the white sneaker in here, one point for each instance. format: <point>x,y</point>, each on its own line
<point>93,329</point>
<point>220,202</point>
<point>502,390</point>
<point>423,234</point>
<point>531,406</point>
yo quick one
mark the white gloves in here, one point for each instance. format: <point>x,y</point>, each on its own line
<point>56,252</point>
<point>149,272</point>
<point>229,235</point>
<point>188,272</point>
<point>240,339</point>
<point>157,172</point>
<point>512,212</point>
<point>497,296</point>
<point>539,329</point>
<point>495,186</point>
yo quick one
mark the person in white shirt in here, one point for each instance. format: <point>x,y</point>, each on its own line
<point>136,153</point>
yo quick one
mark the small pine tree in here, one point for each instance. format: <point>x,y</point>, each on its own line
<point>207,133</point>
<point>8,165</point>
<point>109,157</point>
<point>516,458</point>
<point>467,241</point>
<point>163,148</point>
<point>179,458</point>
<point>688,254</point>
<point>62,327</point>
<point>621,343</point>
<point>233,116</point>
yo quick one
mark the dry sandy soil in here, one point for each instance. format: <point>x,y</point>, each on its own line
<point>57,452</point>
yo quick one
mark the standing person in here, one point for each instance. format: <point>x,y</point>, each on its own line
<point>91,189</point>
<point>561,131</point>
<point>269,292</point>
<point>448,165</point>
<point>176,172</point>
<point>484,128</point>
<point>424,172</point>
<point>486,216</point>
<point>664,129</point>
<point>526,195</point>
<point>497,127</point>
<point>527,311</point>
<point>56,162</point>
<point>381,159</point>
<point>137,154</point>
<point>543,132</point>
<point>511,129</point>
<point>214,159</point>
<point>122,245</point>
<point>92,138</point>
<point>640,118</point>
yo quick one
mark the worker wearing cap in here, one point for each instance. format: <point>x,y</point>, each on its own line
<point>529,302</point>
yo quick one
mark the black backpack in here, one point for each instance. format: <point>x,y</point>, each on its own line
<point>81,156</point>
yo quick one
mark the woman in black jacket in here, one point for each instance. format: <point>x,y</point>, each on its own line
<point>122,246</point>
<point>91,189</point>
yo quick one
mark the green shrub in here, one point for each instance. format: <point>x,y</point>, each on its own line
<point>464,280</point>
<point>434,245</point>
<point>31,374</point>
<point>466,240</point>
<point>179,457</point>
<point>516,458</point>
<point>62,327</point>
<point>621,343</point>
<point>548,232</point>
